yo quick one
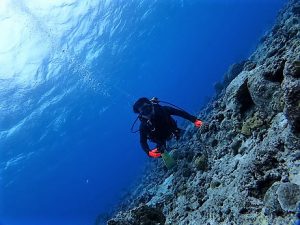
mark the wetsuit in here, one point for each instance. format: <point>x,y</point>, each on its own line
<point>161,126</point>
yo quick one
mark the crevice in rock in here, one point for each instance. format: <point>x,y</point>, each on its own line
<point>244,99</point>
<point>279,213</point>
<point>214,143</point>
<point>243,211</point>
<point>275,76</point>
<point>220,117</point>
<point>292,106</point>
<point>262,187</point>
<point>268,162</point>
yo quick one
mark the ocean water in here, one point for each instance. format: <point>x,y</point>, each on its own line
<point>70,72</point>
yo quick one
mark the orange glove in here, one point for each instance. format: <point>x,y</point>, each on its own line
<point>154,153</point>
<point>198,123</point>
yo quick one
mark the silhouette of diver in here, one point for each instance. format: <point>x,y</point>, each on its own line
<point>157,125</point>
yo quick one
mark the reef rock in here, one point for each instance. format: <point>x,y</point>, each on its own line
<point>143,215</point>
<point>243,165</point>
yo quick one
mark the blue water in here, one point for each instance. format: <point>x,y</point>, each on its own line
<point>70,71</point>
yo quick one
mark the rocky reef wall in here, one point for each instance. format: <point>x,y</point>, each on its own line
<point>243,165</point>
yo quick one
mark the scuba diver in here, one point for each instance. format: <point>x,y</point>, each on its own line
<point>157,125</point>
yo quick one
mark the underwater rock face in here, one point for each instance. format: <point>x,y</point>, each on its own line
<point>143,215</point>
<point>242,166</point>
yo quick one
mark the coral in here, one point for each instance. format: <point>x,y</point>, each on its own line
<point>251,124</point>
<point>201,163</point>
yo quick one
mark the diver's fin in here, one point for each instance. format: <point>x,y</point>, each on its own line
<point>168,160</point>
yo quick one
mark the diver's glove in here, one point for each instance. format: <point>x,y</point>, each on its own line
<point>198,123</point>
<point>154,153</point>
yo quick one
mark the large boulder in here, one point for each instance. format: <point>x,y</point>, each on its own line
<point>266,94</point>
<point>271,202</point>
<point>288,196</point>
<point>237,95</point>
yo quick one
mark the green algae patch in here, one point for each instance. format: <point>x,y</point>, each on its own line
<point>251,124</point>
<point>261,219</point>
<point>201,163</point>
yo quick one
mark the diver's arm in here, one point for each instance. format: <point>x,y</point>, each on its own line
<point>143,141</point>
<point>181,113</point>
